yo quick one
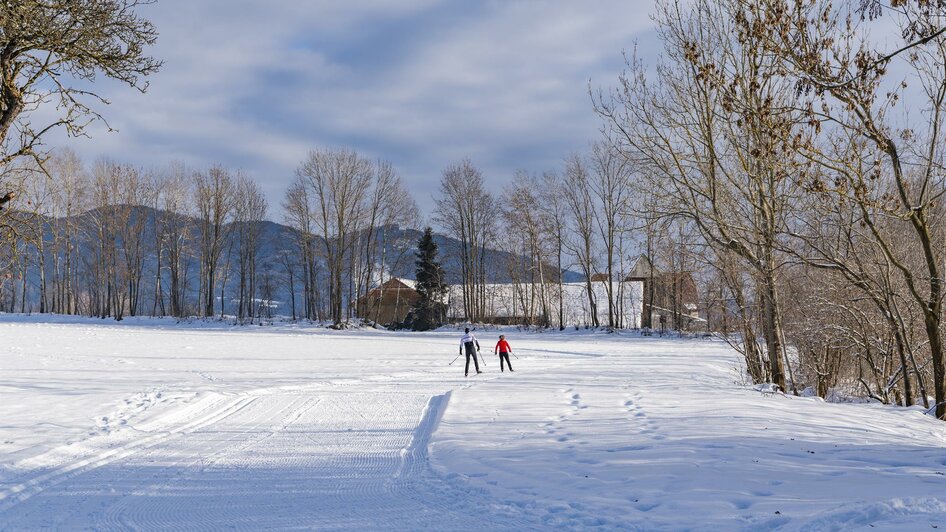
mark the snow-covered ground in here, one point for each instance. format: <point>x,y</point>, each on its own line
<point>147,424</point>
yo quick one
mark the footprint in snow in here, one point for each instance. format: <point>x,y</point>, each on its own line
<point>741,504</point>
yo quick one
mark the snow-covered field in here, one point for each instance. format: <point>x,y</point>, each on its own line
<point>154,425</point>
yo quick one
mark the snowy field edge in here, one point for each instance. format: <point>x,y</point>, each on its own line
<point>108,424</point>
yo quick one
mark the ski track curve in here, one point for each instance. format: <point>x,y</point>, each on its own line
<point>350,456</point>
<point>86,456</point>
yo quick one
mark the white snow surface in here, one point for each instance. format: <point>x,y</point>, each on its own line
<point>154,425</point>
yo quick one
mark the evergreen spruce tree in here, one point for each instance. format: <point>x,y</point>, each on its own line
<point>430,311</point>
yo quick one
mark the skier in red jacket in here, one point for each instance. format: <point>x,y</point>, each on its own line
<point>502,347</point>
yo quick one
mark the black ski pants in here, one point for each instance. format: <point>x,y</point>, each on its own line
<point>471,352</point>
<point>504,356</point>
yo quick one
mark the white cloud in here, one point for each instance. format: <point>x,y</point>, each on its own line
<point>254,84</point>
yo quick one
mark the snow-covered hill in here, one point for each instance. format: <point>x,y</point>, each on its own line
<point>149,424</point>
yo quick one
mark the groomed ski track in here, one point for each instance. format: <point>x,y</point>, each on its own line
<point>314,457</point>
<point>151,425</point>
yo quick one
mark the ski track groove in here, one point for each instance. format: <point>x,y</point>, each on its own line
<point>26,488</point>
<point>351,456</point>
<point>92,479</point>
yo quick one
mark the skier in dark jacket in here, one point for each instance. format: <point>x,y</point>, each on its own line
<point>471,345</point>
<point>502,347</point>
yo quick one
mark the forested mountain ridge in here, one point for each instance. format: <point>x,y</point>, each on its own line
<point>66,271</point>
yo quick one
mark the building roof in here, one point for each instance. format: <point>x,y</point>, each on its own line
<point>410,283</point>
<point>393,284</point>
<point>642,269</point>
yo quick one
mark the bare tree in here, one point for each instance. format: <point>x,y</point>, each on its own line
<point>887,174</point>
<point>525,229</point>
<point>610,186</point>
<point>716,130</point>
<point>214,196</point>
<point>41,197</point>
<point>135,191</point>
<point>22,229</point>
<point>174,231</point>
<point>299,214</point>
<point>290,268</point>
<point>463,210</point>
<point>70,197</point>
<point>105,291</point>
<point>249,212</point>
<point>581,242</point>
<point>736,299</point>
<point>337,183</point>
<point>47,44</point>
<point>389,205</point>
<point>555,209</point>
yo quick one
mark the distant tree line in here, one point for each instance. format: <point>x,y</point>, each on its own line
<point>90,232</point>
<point>110,239</point>
<point>582,217</point>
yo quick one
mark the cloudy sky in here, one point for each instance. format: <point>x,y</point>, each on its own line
<point>255,84</point>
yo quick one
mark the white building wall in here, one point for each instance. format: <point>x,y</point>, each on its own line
<point>506,300</point>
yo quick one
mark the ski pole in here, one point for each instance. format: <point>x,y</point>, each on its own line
<point>455,359</point>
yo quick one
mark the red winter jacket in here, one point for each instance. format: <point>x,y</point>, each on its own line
<point>502,346</point>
